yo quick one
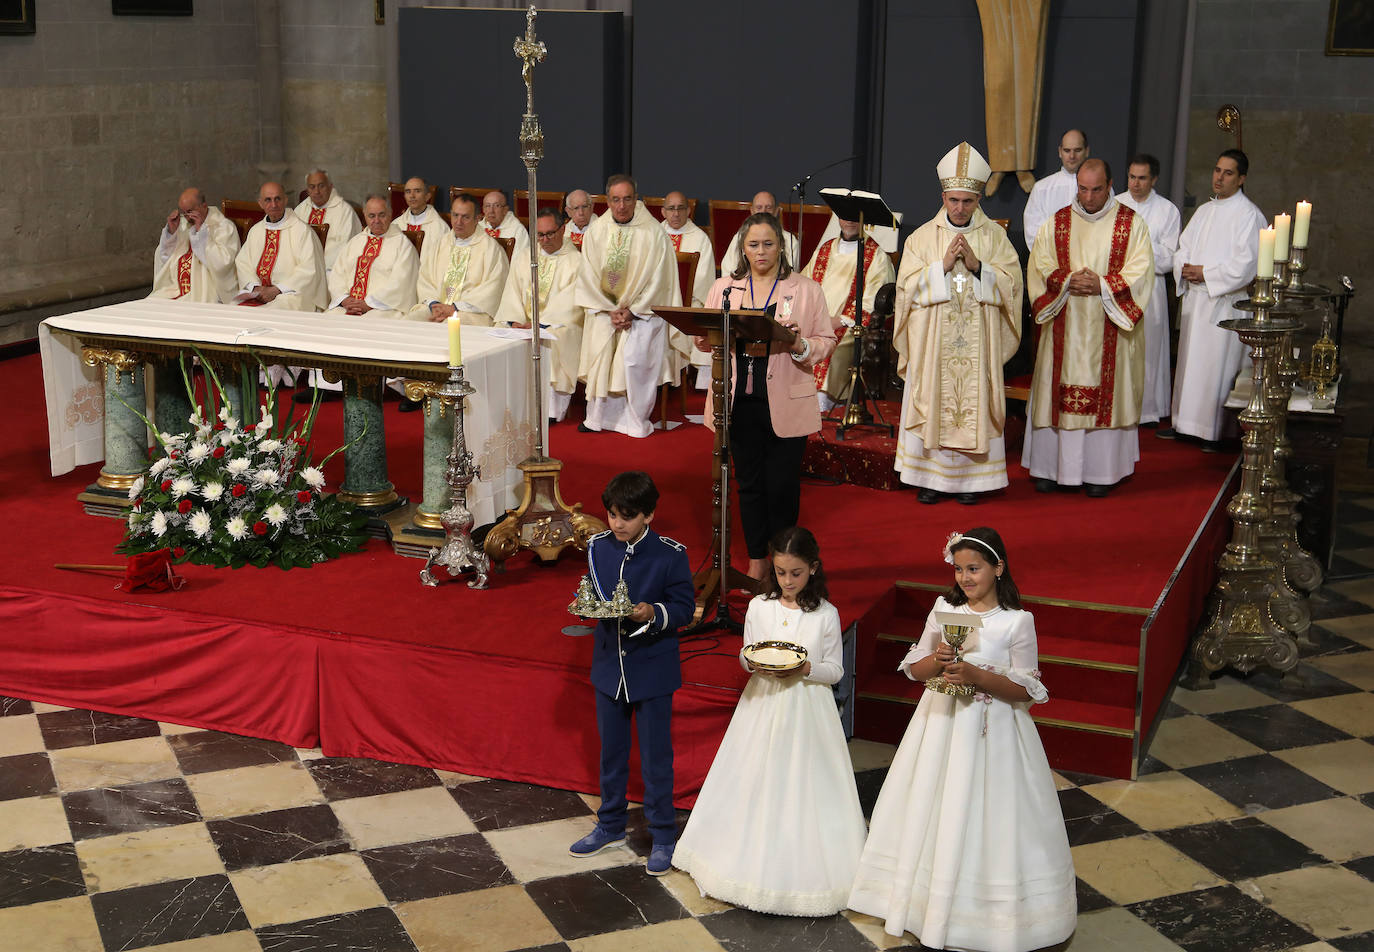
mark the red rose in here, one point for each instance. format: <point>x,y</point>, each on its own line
<point>238,490</point>
<point>303,496</point>
<point>260,528</point>
<point>217,452</point>
<point>174,454</point>
<point>166,485</point>
<point>138,503</point>
<point>184,506</point>
<point>219,426</point>
<point>178,552</point>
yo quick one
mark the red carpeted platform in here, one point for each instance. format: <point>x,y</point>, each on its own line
<point>357,656</point>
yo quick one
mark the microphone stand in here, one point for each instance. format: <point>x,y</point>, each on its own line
<point>800,189</point>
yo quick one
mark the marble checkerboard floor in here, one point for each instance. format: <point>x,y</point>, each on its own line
<point>1251,829</point>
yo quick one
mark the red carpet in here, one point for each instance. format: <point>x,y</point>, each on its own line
<point>359,654</point>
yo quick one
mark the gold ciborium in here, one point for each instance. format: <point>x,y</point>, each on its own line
<point>588,604</point>
<point>957,628</point>
<point>1323,366</point>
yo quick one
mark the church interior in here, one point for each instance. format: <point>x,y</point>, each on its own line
<point>341,757</point>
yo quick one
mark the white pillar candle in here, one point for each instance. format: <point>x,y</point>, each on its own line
<point>455,340</point>
<point>1283,224</point>
<point>1301,225</point>
<point>1265,268</point>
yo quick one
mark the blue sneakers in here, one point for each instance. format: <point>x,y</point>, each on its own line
<point>660,860</point>
<point>596,841</point>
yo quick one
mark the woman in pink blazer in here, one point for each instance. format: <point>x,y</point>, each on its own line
<point>773,407</point>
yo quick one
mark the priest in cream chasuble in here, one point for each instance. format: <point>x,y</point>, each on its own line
<point>463,272</point>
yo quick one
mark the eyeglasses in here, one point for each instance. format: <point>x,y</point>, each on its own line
<point>545,235</point>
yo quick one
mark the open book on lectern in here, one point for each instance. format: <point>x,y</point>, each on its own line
<point>853,204</point>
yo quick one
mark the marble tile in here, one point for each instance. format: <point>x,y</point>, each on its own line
<point>1358,628</point>
<point>871,929</point>
<point>168,912</point>
<point>1340,829</point>
<point>376,930</point>
<point>869,784</point>
<point>308,889</point>
<point>682,935</point>
<point>1081,779</point>
<point>1222,919</point>
<point>1163,800</point>
<point>309,753</point>
<point>139,806</point>
<point>342,777</point>
<point>169,730</point>
<point>1188,741</point>
<point>243,790</point>
<point>14,706</point>
<point>502,804</point>
<point>26,775</point>
<point>870,755</point>
<point>61,925</point>
<point>1326,603</point>
<point>451,779</point>
<point>685,891</point>
<point>1138,868</point>
<point>19,734</point>
<point>1088,820</point>
<point>438,867</point>
<point>742,929</point>
<point>1364,866</point>
<point>1360,590</point>
<point>1258,783</point>
<point>42,707</point>
<point>1352,713</point>
<point>279,836</point>
<point>1276,727</point>
<point>487,920</point>
<point>1240,849</point>
<point>534,852</point>
<point>1116,930</point>
<point>1353,668</point>
<point>1061,782</point>
<point>604,900</point>
<point>244,941</point>
<point>1363,942</point>
<point>1346,765</point>
<point>1089,898</point>
<point>32,821</point>
<point>40,874</point>
<point>1328,901</point>
<point>1150,765</point>
<point>405,817</point>
<point>640,838</point>
<point>1303,683</point>
<point>150,856</point>
<point>1328,644</point>
<point>202,751</point>
<point>72,728</point>
<point>1226,694</point>
<point>113,765</point>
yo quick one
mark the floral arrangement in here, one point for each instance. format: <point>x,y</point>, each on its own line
<point>226,494</point>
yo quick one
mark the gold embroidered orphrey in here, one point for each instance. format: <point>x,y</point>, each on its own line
<point>961,363</point>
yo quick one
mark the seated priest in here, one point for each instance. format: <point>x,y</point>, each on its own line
<point>687,237</point>
<point>578,206</point>
<point>195,253</point>
<point>281,264</point>
<point>420,214</point>
<point>558,311</point>
<point>763,203</point>
<point>833,267</point>
<point>324,206</point>
<point>462,272</point>
<point>500,222</point>
<point>375,273</point>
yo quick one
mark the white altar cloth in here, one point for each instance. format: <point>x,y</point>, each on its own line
<point>496,417</point>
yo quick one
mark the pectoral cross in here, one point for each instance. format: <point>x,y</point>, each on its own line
<point>959,280</point>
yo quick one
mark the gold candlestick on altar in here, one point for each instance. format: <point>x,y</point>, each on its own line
<point>543,523</point>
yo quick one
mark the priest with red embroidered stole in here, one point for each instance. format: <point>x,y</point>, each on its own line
<point>833,267</point>
<point>420,214</point>
<point>500,222</point>
<point>956,321</point>
<point>194,260</point>
<point>324,206</point>
<point>686,237</point>
<point>376,271</point>
<point>578,206</point>
<point>281,264</point>
<point>463,272</point>
<point>1090,278</point>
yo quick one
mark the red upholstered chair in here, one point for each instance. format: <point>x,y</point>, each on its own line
<point>655,206</point>
<point>397,192</point>
<point>600,205</point>
<point>726,217</point>
<point>478,193</point>
<point>815,218</point>
<point>244,215</point>
<point>542,199</point>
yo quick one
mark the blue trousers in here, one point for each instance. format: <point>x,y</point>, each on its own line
<point>653,717</point>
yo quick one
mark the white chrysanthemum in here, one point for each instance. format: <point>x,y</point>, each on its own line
<point>237,467</point>
<point>237,529</point>
<point>197,453</point>
<point>200,523</point>
<point>266,477</point>
<point>212,491</point>
<point>159,523</point>
<point>269,446</point>
<point>313,477</point>
<point>159,465</point>
<point>183,486</point>
<point>133,519</point>
<point>275,514</point>
<point>136,488</point>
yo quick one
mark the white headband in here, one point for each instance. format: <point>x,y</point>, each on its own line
<point>956,537</point>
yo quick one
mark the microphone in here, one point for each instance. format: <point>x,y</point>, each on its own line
<point>725,295</point>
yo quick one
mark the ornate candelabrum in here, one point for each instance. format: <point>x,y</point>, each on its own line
<point>543,523</point>
<point>1323,367</point>
<point>1253,615</point>
<point>588,604</point>
<point>459,553</point>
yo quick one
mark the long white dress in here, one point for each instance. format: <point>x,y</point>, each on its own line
<point>778,827</point>
<point>967,848</point>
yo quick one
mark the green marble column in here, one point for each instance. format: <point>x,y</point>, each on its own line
<point>126,435</point>
<point>438,442</point>
<point>365,483</point>
<point>171,407</point>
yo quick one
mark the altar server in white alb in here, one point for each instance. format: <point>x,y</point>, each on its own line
<point>763,202</point>
<point>957,321</point>
<point>1216,260</point>
<point>687,238</point>
<point>1163,218</point>
<point>324,206</point>
<point>420,214</point>
<point>628,269</point>
<point>375,273</point>
<point>463,272</point>
<point>578,206</point>
<point>833,267</point>
<point>559,262</point>
<point>1054,191</point>
<point>281,264</point>
<point>195,253</point>
<point>1090,279</point>
<point>500,222</point>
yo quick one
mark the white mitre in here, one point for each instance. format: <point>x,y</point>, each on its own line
<point>963,170</point>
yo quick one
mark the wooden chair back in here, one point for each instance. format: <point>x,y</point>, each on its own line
<point>244,215</point>
<point>600,205</point>
<point>417,238</point>
<point>655,206</point>
<point>478,193</point>
<point>726,218</point>
<point>815,219</point>
<point>358,210</point>
<point>508,244</point>
<point>321,232</point>
<point>397,192</point>
<point>541,200</point>
<point>687,274</point>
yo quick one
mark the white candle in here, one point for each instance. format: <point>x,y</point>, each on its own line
<point>1302,224</point>
<point>455,341</point>
<point>1265,268</point>
<point>1283,224</point>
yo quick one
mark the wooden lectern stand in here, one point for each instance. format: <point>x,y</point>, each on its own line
<point>722,328</point>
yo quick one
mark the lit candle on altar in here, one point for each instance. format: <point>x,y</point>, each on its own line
<point>1283,224</point>
<point>1265,268</point>
<point>1302,224</point>
<point>455,341</point>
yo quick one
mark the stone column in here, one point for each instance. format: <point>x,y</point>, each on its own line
<point>437,442</point>
<point>365,483</point>
<point>171,407</point>
<point>126,435</point>
<point>272,166</point>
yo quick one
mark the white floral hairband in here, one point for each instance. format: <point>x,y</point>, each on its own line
<point>957,537</point>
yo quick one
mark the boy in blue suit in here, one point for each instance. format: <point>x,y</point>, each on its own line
<point>635,666</point>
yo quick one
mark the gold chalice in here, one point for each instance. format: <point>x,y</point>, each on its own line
<point>957,627</point>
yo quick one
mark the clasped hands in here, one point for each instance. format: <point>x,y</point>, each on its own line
<point>1193,273</point>
<point>960,248</point>
<point>622,318</point>
<point>1085,283</point>
<point>355,307</point>
<point>957,672</point>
